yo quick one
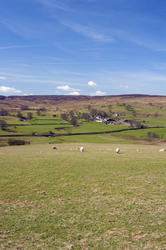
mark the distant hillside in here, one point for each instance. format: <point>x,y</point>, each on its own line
<point>74,102</point>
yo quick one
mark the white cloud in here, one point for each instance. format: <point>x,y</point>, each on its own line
<point>27,94</point>
<point>68,88</point>
<point>92,84</point>
<point>10,90</point>
<point>65,87</point>
<point>74,93</point>
<point>99,93</point>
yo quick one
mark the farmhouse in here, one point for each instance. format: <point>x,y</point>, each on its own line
<point>116,114</point>
<point>98,119</point>
<point>109,121</point>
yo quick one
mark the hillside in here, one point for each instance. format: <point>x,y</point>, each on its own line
<point>67,101</point>
<point>29,116</point>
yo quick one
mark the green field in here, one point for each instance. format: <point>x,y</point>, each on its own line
<point>147,113</point>
<point>66,199</point>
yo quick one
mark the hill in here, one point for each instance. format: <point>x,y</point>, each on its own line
<point>68,101</point>
<point>58,116</point>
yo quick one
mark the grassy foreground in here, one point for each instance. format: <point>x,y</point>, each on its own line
<point>65,199</point>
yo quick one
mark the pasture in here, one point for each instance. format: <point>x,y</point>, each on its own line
<point>65,199</point>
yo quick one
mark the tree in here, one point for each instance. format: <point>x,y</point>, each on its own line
<point>24,107</point>
<point>71,114</point>
<point>86,117</point>
<point>93,113</point>
<point>51,133</point>
<point>102,114</point>
<point>134,113</point>
<point>3,124</point>
<point>151,136</point>
<point>89,107</point>
<point>74,121</point>
<point>29,116</point>
<point>4,112</point>
<point>129,107</point>
<point>20,115</point>
<point>156,115</point>
<point>110,109</point>
<point>135,124</point>
<point>38,112</point>
<point>64,116</point>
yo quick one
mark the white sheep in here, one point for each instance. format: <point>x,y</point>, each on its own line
<point>81,149</point>
<point>117,150</point>
<point>54,147</point>
<point>162,150</point>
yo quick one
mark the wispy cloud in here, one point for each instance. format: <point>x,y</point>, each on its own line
<point>55,4</point>
<point>124,86</point>
<point>136,39</point>
<point>133,82</point>
<point>24,28</point>
<point>43,79</point>
<point>17,28</point>
<point>9,90</point>
<point>88,32</point>
<point>17,47</point>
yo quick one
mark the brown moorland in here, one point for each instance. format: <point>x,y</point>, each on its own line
<point>71,102</point>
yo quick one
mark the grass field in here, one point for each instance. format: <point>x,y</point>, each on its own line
<point>65,199</point>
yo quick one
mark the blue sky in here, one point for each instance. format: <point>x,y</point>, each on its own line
<point>86,47</point>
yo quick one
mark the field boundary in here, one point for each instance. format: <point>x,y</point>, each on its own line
<point>85,133</point>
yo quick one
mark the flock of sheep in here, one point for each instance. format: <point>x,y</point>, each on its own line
<point>117,150</point>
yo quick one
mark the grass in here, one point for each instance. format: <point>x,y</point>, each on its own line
<point>145,109</point>
<point>46,127</point>
<point>65,199</point>
<point>142,134</point>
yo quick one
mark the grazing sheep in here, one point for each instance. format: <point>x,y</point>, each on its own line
<point>162,150</point>
<point>81,149</point>
<point>117,150</point>
<point>54,147</point>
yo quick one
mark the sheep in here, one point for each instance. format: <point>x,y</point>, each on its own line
<point>117,150</point>
<point>162,150</point>
<point>81,149</point>
<point>54,147</point>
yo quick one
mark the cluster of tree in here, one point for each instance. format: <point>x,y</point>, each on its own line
<point>13,142</point>
<point>22,117</point>
<point>151,136</point>
<point>94,112</point>
<point>3,125</point>
<point>136,124</point>
<point>40,111</point>
<point>73,117</point>
<point>24,107</point>
<point>4,112</point>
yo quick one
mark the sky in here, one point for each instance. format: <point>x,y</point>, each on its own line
<point>82,47</point>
